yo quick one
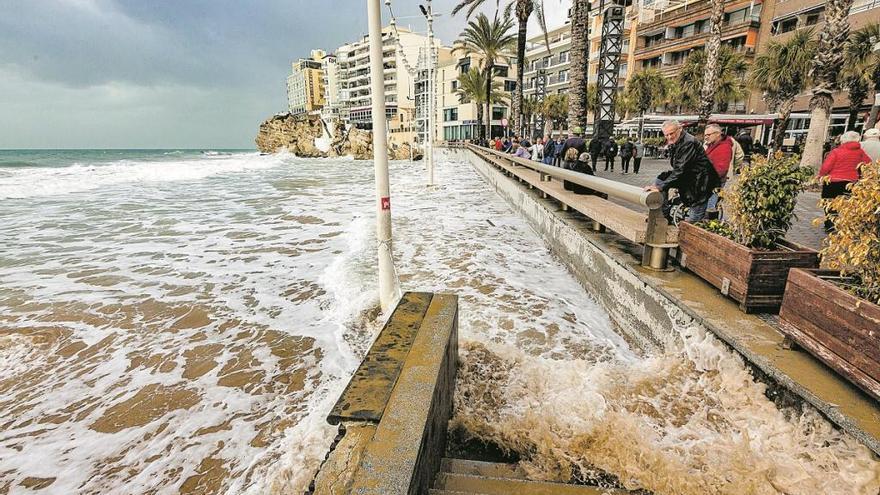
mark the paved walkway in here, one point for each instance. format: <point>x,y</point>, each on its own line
<point>802,231</point>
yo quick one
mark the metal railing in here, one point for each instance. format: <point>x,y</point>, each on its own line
<point>656,245</point>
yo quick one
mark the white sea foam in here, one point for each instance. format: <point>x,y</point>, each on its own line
<point>47,181</point>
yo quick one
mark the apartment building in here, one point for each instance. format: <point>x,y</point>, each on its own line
<point>457,117</point>
<point>305,84</point>
<point>353,72</point>
<point>553,60</point>
<point>331,86</point>
<point>670,30</point>
<point>789,16</point>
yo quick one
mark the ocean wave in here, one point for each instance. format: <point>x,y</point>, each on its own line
<point>41,181</point>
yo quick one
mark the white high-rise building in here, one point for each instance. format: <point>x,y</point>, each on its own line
<point>353,73</point>
<point>331,86</point>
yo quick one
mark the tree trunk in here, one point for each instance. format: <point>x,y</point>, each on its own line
<point>826,66</point>
<point>480,120</point>
<point>710,77</point>
<point>548,127</point>
<point>490,68</point>
<point>781,123</point>
<point>580,67</point>
<point>641,124</point>
<point>523,12</point>
<point>820,115</point>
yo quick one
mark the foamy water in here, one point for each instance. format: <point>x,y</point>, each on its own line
<point>184,325</point>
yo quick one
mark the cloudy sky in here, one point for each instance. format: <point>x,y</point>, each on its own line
<point>168,73</point>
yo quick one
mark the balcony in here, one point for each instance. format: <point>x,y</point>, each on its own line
<point>698,39</point>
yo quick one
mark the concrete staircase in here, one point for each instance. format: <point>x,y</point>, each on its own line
<point>464,477</point>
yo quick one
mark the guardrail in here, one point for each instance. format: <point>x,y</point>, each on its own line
<point>654,235</point>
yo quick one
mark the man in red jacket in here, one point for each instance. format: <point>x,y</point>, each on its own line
<point>719,149</point>
<point>840,169</point>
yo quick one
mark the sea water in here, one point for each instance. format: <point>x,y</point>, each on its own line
<point>182,322</point>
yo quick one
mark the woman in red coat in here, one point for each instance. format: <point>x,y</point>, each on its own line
<point>841,167</point>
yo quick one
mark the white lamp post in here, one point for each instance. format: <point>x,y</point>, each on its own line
<point>388,289</point>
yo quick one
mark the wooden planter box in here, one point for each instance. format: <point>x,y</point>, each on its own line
<point>837,327</point>
<point>753,278</point>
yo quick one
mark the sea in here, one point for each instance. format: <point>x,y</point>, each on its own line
<point>182,321</point>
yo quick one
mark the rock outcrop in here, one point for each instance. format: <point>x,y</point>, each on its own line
<point>298,135</point>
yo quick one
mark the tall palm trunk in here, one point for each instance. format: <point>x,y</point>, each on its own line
<point>826,66</point>
<point>781,124</point>
<point>710,77</point>
<point>523,12</point>
<point>490,69</point>
<point>580,68</point>
<point>480,127</point>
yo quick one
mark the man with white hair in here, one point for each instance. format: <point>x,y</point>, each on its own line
<point>692,173</point>
<point>871,144</point>
<point>840,169</point>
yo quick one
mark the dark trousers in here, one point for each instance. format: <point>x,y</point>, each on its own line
<point>830,191</point>
<point>624,163</point>
<point>594,158</point>
<point>637,162</point>
<point>609,160</point>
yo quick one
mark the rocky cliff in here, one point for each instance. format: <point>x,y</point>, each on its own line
<point>310,137</point>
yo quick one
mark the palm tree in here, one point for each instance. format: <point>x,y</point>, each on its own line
<point>524,10</point>
<point>579,71</point>
<point>472,88</point>
<point>861,69</point>
<point>827,64</point>
<point>729,82</point>
<point>646,89</point>
<point>530,107</point>
<point>491,41</point>
<point>713,69</point>
<point>781,73</point>
<point>554,109</point>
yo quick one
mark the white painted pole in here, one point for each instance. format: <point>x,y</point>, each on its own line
<point>431,101</point>
<point>387,283</point>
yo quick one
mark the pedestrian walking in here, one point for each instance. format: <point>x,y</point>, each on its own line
<point>638,154</point>
<point>596,149</point>
<point>557,150</point>
<point>839,170</point>
<point>610,150</point>
<point>627,150</point>
<point>871,144</point>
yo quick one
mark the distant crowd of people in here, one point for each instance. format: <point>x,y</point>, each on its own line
<point>698,169</point>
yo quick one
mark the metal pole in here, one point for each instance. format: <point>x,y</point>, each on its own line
<point>431,89</point>
<point>387,284</point>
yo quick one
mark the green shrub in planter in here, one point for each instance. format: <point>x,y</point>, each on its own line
<point>759,206</point>
<point>854,246</point>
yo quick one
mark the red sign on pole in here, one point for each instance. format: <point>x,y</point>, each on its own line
<point>386,203</point>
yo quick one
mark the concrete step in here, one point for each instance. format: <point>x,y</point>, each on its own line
<point>481,468</point>
<point>482,485</point>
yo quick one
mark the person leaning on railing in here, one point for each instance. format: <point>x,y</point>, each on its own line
<point>692,173</point>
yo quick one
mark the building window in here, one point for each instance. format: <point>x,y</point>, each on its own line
<point>563,76</point>
<point>501,71</point>
<point>563,57</point>
<point>509,85</point>
<point>497,113</point>
<point>812,19</point>
<point>450,114</point>
<point>454,85</point>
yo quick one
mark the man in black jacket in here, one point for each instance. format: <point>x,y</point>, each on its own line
<point>692,173</point>
<point>596,149</point>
